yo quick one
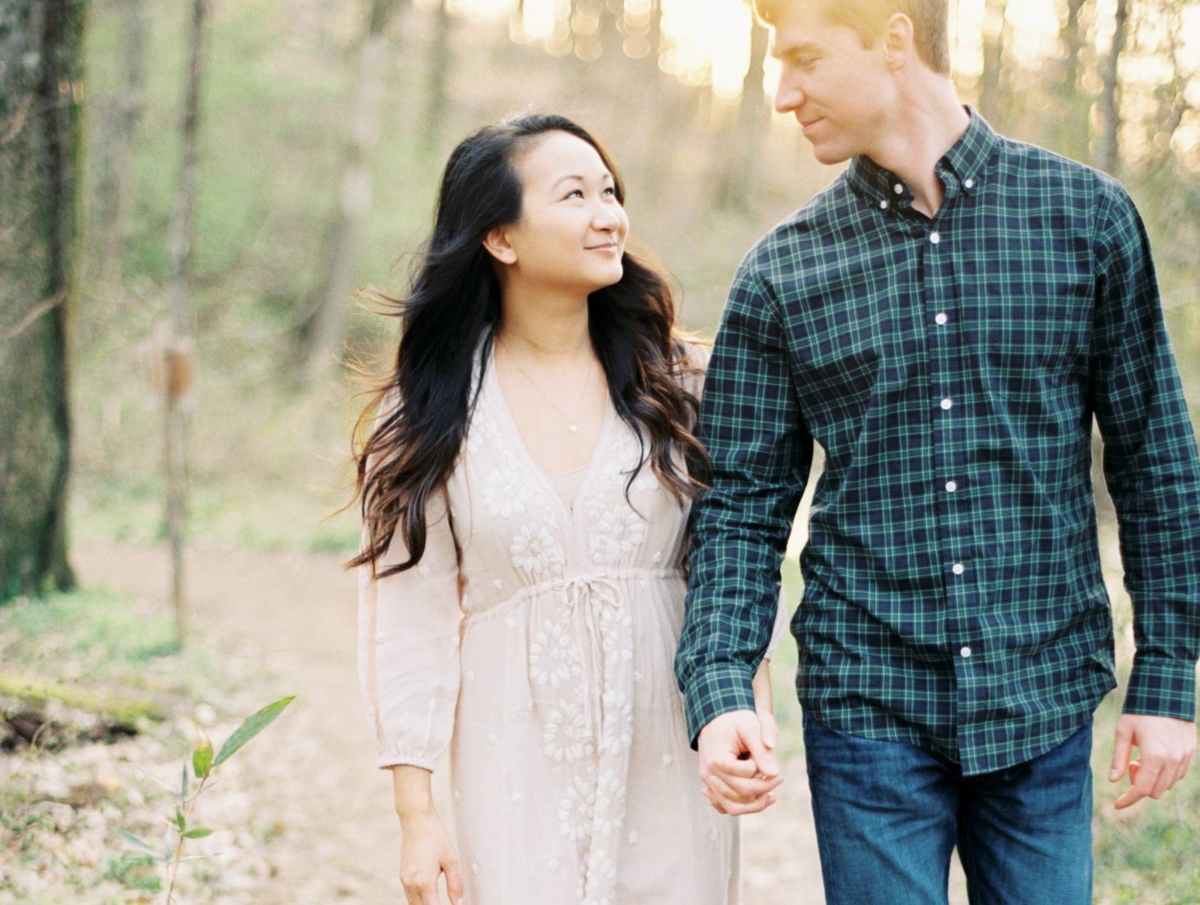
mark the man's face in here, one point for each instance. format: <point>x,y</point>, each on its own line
<point>837,89</point>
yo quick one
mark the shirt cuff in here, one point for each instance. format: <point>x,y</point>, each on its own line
<point>714,690</point>
<point>1162,687</point>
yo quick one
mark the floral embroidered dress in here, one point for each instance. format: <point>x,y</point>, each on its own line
<point>537,639</point>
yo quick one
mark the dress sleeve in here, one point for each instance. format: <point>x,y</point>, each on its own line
<point>781,626</point>
<point>408,646</point>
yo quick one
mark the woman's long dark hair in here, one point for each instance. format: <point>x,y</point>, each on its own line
<point>455,304</point>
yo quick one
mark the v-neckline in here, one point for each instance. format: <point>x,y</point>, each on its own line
<point>492,378</point>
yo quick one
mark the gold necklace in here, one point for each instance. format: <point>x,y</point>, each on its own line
<point>572,423</point>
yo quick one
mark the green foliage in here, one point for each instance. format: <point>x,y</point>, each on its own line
<point>101,634</point>
<point>253,725</point>
<point>203,765</point>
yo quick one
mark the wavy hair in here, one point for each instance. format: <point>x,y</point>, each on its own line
<point>421,412</point>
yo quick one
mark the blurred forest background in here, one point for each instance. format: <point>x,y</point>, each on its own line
<point>192,192</point>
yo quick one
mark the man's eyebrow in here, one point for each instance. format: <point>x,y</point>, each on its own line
<point>794,49</point>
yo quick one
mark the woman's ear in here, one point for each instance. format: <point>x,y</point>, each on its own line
<point>499,247</point>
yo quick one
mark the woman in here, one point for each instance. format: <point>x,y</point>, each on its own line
<point>525,493</point>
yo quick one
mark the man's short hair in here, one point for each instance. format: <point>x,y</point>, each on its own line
<point>930,18</point>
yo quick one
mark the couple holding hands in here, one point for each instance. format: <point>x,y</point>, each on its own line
<point>573,512</point>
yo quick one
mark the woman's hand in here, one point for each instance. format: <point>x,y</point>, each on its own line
<point>764,705</point>
<point>426,851</point>
<point>425,854</point>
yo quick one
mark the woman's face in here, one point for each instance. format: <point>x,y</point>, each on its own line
<point>572,230</point>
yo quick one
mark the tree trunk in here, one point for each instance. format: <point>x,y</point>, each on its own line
<point>435,82</point>
<point>40,92</point>
<point>116,141</point>
<point>327,328</point>
<point>1069,129</point>
<point>177,349</point>
<point>1107,155</point>
<point>735,180</point>
<point>991,99</point>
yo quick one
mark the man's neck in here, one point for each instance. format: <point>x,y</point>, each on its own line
<point>929,122</point>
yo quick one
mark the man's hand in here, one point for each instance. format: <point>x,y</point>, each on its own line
<point>739,771</point>
<point>1166,747</point>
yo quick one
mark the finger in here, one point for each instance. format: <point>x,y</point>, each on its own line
<point>723,793</point>
<point>1122,750</point>
<point>765,759</point>
<point>770,730</point>
<point>1147,779</point>
<point>1187,765</point>
<point>752,788</point>
<point>454,883</point>
<point>1167,777</point>
<point>716,804</point>
<point>729,766</point>
<point>1143,775</point>
<point>752,807</point>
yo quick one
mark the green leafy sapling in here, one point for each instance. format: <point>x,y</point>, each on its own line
<point>203,764</point>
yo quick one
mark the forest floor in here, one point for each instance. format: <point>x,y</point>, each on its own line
<point>311,777</point>
<point>304,817</point>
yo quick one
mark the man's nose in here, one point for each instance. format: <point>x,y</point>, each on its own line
<point>788,96</point>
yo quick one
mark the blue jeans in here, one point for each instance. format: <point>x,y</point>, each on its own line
<point>889,814</point>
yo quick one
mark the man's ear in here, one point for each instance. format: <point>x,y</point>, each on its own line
<point>897,41</point>
<point>499,247</point>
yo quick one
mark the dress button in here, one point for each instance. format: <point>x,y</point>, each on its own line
<point>951,486</point>
<point>947,404</point>
<point>958,568</point>
<point>898,189</point>
<point>969,183</point>
<point>883,205</point>
<point>966,651</point>
<point>941,318</point>
<point>935,237</point>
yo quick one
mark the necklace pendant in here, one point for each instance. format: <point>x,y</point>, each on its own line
<point>573,427</point>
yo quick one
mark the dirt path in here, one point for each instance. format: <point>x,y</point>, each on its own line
<point>313,771</point>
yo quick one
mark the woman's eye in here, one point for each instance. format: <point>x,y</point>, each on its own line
<point>610,191</point>
<point>575,193</point>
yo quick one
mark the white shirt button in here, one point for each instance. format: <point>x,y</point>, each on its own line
<point>969,183</point>
<point>958,568</point>
<point>941,318</point>
<point>951,486</point>
<point>947,404</point>
<point>379,638</point>
<point>966,651</point>
<point>935,237</point>
<point>898,189</point>
<point>883,204</point>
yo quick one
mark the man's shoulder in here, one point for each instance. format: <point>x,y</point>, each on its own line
<point>1024,158</point>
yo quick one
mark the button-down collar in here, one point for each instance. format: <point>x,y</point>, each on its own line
<point>960,169</point>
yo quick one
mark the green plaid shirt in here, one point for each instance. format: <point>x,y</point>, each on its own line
<point>950,369</point>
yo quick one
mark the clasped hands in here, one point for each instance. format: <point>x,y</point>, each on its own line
<point>738,766</point>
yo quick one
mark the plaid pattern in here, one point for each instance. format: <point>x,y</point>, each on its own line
<point>951,369</point>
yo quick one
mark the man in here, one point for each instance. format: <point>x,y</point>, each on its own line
<point>946,320</point>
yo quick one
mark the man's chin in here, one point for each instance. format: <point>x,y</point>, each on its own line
<point>828,155</point>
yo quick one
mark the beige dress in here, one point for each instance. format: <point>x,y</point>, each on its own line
<point>537,639</point>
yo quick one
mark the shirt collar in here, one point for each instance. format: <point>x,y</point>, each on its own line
<point>960,168</point>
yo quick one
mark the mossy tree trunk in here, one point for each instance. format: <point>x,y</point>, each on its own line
<point>40,92</point>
